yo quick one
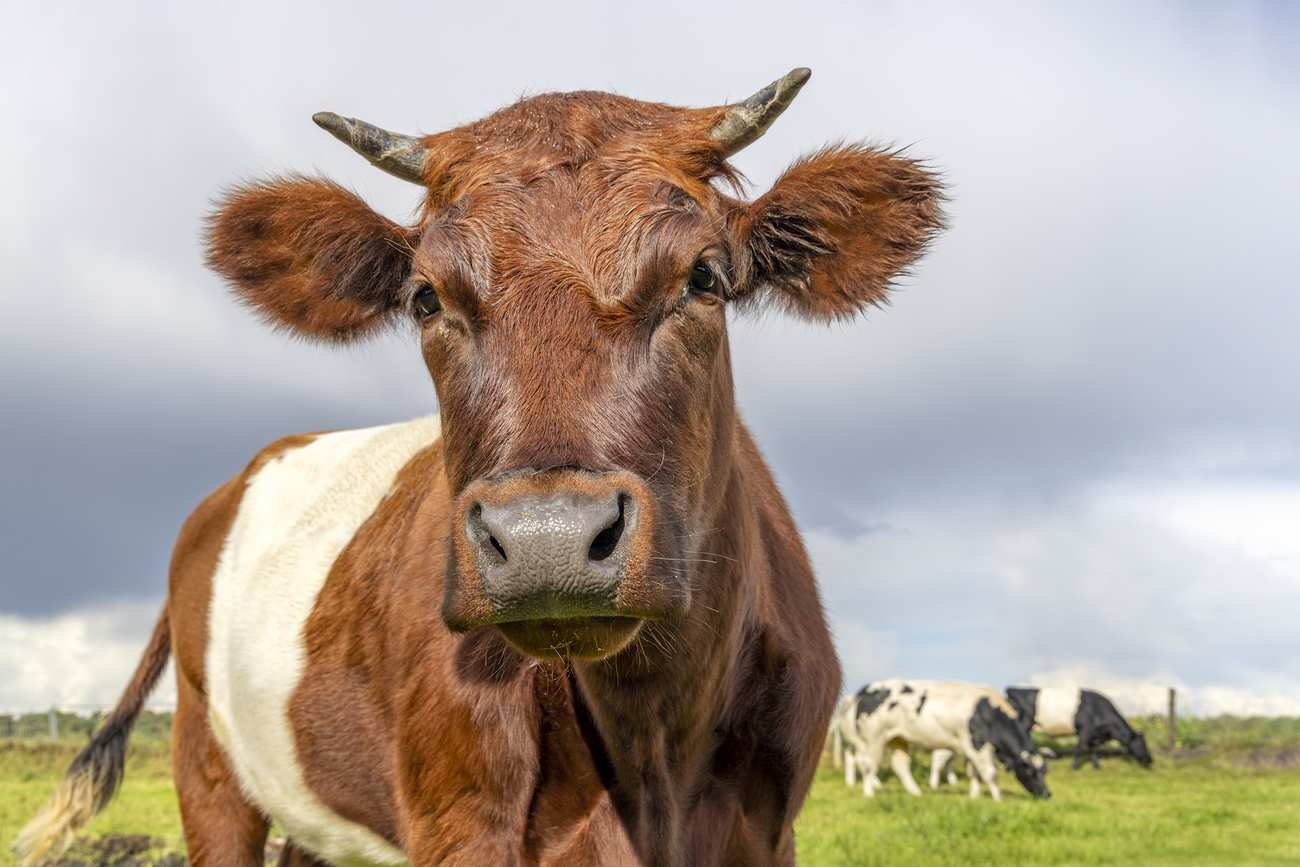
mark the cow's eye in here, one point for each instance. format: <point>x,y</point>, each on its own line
<point>702,280</point>
<point>425,302</point>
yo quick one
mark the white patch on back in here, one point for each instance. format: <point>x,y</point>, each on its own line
<point>1054,714</point>
<point>297,514</point>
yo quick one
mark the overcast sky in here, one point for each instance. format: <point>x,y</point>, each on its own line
<point>1069,450</point>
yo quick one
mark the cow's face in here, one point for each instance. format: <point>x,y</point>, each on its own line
<point>1137,747</point>
<point>579,352</point>
<point>1019,755</point>
<point>568,281</point>
<point>1031,771</point>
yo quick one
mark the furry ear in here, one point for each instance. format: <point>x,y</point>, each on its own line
<point>310,257</point>
<point>836,229</point>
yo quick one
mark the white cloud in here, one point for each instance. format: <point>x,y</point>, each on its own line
<point>1185,586</point>
<point>1281,700</point>
<point>80,660</point>
<point>1260,519</point>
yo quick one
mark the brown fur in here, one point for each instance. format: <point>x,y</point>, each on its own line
<point>837,227</point>
<point>558,235</point>
<point>310,256</point>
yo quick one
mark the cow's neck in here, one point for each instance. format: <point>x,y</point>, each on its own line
<point>658,706</point>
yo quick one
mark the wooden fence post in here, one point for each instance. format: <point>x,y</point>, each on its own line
<point>1172,721</point>
<point>54,724</point>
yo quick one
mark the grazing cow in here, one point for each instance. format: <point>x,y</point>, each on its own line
<point>569,621</point>
<point>1061,712</point>
<point>972,720</point>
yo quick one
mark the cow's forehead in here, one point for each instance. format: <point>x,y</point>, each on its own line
<point>598,197</point>
<point>584,131</point>
<point>604,227</point>
<point>571,126</point>
<point>589,190</point>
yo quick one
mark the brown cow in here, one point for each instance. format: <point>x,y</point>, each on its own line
<point>571,620</point>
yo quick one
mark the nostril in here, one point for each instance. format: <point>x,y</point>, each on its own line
<point>607,539</point>
<point>480,532</point>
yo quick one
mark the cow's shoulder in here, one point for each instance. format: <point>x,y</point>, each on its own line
<point>304,481</point>
<point>194,560</point>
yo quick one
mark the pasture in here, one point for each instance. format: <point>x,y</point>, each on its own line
<point>1229,795</point>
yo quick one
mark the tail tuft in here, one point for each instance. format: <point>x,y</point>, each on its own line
<point>95,774</point>
<point>50,832</point>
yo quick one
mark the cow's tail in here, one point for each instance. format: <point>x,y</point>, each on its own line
<point>94,775</point>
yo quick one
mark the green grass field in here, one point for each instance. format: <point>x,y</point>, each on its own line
<point>1184,813</point>
<point>1231,796</point>
<point>146,804</point>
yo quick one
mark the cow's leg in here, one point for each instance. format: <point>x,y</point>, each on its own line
<point>869,780</point>
<point>938,759</point>
<point>952,773</point>
<point>972,773</point>
<point>855,761</point>
<point>870,756</point>
<point>900,761</point>
<point>981,764</point>
<point>221,827</point>
<point>1085,739</point>
<point>1092,754</point>
<point>868,772</point>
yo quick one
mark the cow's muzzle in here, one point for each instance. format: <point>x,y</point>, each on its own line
<point>557,560</point>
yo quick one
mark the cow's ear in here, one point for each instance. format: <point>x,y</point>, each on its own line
<point>836,229</point>
<point>310,257</point>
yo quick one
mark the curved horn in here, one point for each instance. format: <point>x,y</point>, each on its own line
<point>746,121</point>
<point>400,155</point>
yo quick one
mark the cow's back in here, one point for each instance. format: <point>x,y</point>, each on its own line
<point>901,709</point>
<point>1056,710</point>
<point>296,511</point>
<point>932,714</point>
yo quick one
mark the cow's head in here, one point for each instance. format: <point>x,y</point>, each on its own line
<point>1012,745</point>
<point>1137,748</point>
<point>568,278</point>
<point>1028,766</point>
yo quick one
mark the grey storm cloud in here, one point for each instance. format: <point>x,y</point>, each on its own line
<point>1114,303</point>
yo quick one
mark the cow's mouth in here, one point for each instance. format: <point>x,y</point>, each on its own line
<point>1036,785</point>
<point>571,637</point>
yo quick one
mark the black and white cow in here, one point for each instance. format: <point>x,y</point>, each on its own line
<point>1069,711</point>
<point>974,721</point>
